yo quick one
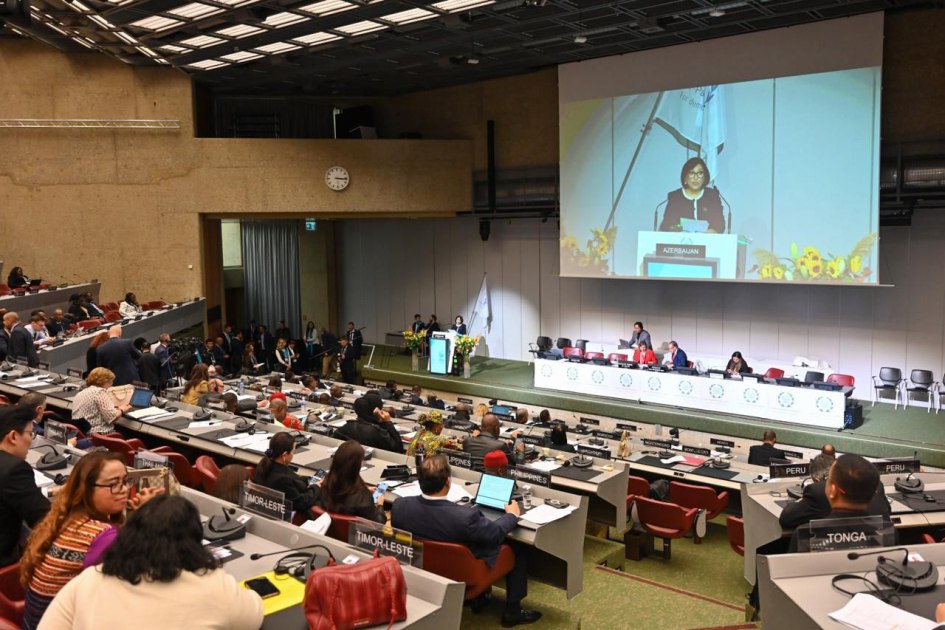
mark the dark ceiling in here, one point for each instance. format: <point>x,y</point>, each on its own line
<point>387,47</point>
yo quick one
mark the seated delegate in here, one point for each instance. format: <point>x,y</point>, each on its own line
<point>372,426</point>
<point>157,575</point>
<point>344,492</point>
<point>761,454</point>
<point>79,527</point>
<point>736,365</point>
<point>21,502</point>
<point>644,355</point>
<point>273,472</point>
<point>434,517</point>
<point>94,406</point>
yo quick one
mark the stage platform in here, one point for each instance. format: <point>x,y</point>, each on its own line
<point>886,432</point>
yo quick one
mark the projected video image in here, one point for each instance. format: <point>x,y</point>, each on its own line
<point>769,180</point>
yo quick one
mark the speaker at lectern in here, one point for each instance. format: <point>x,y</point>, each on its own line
<point>691,255</point>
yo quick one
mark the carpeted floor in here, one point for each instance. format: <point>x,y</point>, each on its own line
<point>886,431</point>
<point>700,587</point>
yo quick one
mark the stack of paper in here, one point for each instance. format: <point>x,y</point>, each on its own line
<point>544,514</point>
<point>866,612</point>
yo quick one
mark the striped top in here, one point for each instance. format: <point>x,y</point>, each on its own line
<point>66,555</point>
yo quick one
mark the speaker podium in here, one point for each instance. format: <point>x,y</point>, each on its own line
<point>691,255</point>
<point>441,352</point>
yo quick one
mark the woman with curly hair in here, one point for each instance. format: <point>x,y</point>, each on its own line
<point>429,436</point>
<point>81,524</point>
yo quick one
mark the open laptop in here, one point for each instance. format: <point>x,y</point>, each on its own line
<point>141,398</point>
<point>494,492</point>
<point>35,282</point>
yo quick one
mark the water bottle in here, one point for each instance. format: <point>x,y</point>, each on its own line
<point>242,387</point>
<point>527,496</point>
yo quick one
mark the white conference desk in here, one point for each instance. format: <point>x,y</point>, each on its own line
<point>747,397</point>
<point>71,354</point>
<point>796,591</point>
<point>761,510</point>
<point>433,602</point>
<point>48,300</point>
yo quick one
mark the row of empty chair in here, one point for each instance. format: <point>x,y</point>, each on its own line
<point>921,385</point>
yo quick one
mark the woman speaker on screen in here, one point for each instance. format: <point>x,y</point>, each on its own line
<point>694,207</point>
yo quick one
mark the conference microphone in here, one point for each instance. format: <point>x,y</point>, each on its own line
<point>914,576</point>
<point>217,529</point>
<point>53,460</point>
<point>728,223</point>
<point>257,556</point>
<point>911,484</point>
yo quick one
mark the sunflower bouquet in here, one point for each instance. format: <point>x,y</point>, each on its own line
<point>808,264</point>
<point>414,340</point>
<point>465,345</point>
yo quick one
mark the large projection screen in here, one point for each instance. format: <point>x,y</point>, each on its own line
<point>750,158</point>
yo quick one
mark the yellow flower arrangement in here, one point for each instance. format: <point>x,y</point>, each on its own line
<point>414,340</point>
<point>465,345</point>
<point>809,264</point>
<point>594,254</point>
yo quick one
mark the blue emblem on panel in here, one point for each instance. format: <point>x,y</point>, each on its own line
<point>597,376</point>
<point>786,399</point>
<point>716,391</point>
<point>750,395</point>
<point>654,383</point>
<point>546,371</point>
<point>824,404</point>
<point>572,373</point>
<point>685,388</point>
<point>626,380</point>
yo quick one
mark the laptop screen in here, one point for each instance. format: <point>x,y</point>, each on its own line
<point>141,398</point>
<point>494,491</point>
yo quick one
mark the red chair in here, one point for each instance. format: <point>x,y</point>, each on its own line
<point>636,487</point>
<point>6,624</point>
<point>112,316</point>
<point>208,471</point>
<point>158,304</point>
<point>4,400</point>
<point>593,355</point>
<point>665,520</point>
<point>928,540</point>
<point>572,352</point>
<point>457,562</point>
<point>110,306</point>
<point>616,356</point>
<point>11,594</point>
<point>182,468</point>
<point>703,498</point>
<point>339,525</point>
<point>844,380</point>
<point>86,324</point>
<point>117,444</point>
<point>774,373</point>
<point>736,534</point>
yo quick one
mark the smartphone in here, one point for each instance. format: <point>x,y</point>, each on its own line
<point>381,489</point>
<point>263,587</point>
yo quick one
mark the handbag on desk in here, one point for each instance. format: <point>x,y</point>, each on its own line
<point>342,597</point>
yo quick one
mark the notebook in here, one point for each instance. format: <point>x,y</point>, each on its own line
<point>494,492</point>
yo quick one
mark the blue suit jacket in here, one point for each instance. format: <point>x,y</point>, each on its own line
<point>444,521</point>
<point>680,360</point>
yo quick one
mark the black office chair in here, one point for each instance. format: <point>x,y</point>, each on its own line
<point>562,343</point>
<point>920,382</point>
<point>889,381</point>
<point>581,343</point>
<point>541,345</point>
<point>813,377</point>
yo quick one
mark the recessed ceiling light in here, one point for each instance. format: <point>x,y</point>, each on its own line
<point>472,61</point>
<point>580,39</point>
<point>716,12</point>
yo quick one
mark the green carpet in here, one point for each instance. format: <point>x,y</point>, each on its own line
<point>886,432</point>
<point>701,587</point>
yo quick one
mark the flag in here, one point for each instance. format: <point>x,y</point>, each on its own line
<point>480,322</point>
<point>695,117</point>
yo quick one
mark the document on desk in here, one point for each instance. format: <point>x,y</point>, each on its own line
<point>673,460</point>
<point>545,466</point>
<point>149,413</point>
<point>866,612</point>
<point>32,381</point>
<point>243,440</point>
<point>203,424</point>
<point>544,514</point>
<point>41,480</point>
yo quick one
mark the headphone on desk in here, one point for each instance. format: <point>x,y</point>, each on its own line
<point>301,564</point>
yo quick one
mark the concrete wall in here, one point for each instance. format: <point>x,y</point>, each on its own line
<point>125,205</point>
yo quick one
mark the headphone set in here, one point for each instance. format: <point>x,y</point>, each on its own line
<point>301,564</point>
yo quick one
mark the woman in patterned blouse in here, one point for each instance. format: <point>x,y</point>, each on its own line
<point>95,405</point>
<point>429,436</point>
<point>79,527</point>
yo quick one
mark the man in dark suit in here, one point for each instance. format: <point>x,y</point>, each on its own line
<point>236,352</point>
<point>814,503</point>
<point>761,454</point>
<point>20,341</point>
<point>163,355</point>
<point>265,344</point>
<point>433,516</point>
<point>120,356</point>
<point>418,324</point>
<point>57,325</point>
<point>20,500</point>
<point>488,440</point>
<point>346,360</point>
<point>149,365</point>
<point>355,339</point>
<point>94,309</point>
<point>676,356</point>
